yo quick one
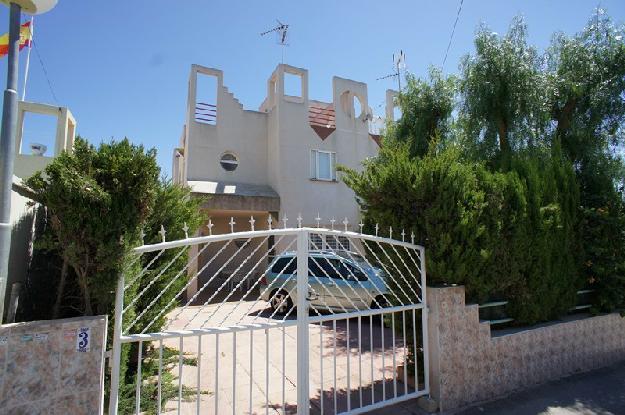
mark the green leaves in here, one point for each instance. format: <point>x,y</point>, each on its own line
<point>502,98</point>
<point>509,235</point>
<point>521,195</point>
<point>426,111</point>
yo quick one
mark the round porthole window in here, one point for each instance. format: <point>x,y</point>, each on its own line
<point>229,162</point>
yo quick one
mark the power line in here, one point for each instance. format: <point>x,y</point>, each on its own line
<point>45,72</point>
<point>453,30</point>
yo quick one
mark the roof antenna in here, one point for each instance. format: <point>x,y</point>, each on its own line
<point>282,37</point>
<point>399,65</point>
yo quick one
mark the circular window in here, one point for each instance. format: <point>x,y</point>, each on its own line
<point>229,162</point>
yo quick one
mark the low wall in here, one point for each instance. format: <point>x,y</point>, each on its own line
<point>54,366</point>
<point>467,365</point>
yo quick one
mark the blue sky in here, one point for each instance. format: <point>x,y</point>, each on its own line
<point>122,66</point>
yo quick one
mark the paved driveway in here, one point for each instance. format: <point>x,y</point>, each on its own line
<point>253,363</point>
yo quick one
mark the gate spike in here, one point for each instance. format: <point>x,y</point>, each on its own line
<point>412,237</point>
<point>332,222</point>
<point>318,219</point>
<point>299,220</point>
<point>142,236</point>
<point>210,227</point>
<point>185,228</point>
<point>285,220</point>
<point>377,228</point>
<point>345,222</point>
<point>390,232</point>
<point>163,232</point>
<point>232,223</point>
<point>269,221</point>
<point>362,225</point>
<point>403,235</point>
<point>252,222</point>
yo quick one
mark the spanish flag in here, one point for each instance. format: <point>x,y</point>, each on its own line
<point>26,37</point>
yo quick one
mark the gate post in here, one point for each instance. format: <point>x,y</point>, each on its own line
<point>117,346</point>
<point>424,324</point>
<point>303,397</point>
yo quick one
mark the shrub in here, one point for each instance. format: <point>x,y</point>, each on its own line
<point>98,200</point>
<point>501,234</point>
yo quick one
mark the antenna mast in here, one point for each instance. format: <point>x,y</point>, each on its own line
<point>281,31</point>
<point>399,65</point>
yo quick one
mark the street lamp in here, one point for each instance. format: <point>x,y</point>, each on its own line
<point>9,125</point>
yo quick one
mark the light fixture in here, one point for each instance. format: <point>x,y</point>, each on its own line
<point>32,6</point>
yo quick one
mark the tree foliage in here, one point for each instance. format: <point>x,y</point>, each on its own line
<point>97,199</point>
<point>501,234</point>
<point>525,199</point>
<point>428,106</point>
<point>501,93</point>
<point>586,75</point>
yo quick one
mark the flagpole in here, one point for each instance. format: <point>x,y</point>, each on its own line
<point>7,148</point>
<point>30,46</point>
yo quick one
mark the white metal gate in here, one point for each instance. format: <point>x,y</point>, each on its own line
<point>245,342</point>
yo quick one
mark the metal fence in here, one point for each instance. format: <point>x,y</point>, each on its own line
<point>292,320</point>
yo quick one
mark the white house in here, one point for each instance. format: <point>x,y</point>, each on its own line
<point>280,160</point>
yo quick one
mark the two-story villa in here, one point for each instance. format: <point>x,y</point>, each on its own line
<point>280,160</point>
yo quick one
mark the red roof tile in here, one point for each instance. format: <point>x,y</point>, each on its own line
<point>322,119</point>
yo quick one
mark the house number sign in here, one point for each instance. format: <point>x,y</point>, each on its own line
<point>83,340</point>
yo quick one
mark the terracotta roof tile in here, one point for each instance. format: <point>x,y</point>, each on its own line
<point>322,119</point>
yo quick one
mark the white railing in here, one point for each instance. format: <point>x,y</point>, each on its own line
<point>241,324</point>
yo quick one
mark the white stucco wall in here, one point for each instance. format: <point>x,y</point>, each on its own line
<point>27,164</point>
<point>239,131</point>
<point>23,216</point>
<point>274,145</point>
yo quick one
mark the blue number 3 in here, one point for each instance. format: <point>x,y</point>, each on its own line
<point>85,339</point>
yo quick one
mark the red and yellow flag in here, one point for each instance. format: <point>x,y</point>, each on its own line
<point>26,37</point>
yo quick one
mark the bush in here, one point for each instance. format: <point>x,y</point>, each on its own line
<point>98,200</point>
<point>501,234</point>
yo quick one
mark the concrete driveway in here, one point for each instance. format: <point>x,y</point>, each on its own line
<point>253,363</point>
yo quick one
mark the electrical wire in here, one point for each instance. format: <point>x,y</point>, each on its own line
<point>45,72</point>
<point>453,30</point>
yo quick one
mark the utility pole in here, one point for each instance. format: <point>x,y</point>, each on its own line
<point>7,136</point>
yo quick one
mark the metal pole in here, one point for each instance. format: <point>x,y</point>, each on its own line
<point>7,149</point>
<point>30,46</point>
<point>303,397</point>
<point>117,346</point>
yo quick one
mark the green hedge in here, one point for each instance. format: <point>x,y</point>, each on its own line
<point>502,234</point>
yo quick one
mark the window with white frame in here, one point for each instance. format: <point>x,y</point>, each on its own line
<point>315,242</point>
<point>340,243</point>
<point>319,242</point>
<point>322,165</point>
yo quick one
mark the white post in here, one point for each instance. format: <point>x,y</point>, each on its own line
<point>117,346</point>
<point>303,398</point>
<point>424,324</point>
<point>30,46</point>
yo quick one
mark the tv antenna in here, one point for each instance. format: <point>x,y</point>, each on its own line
<point>399,65</point>
<point>281,31</point>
